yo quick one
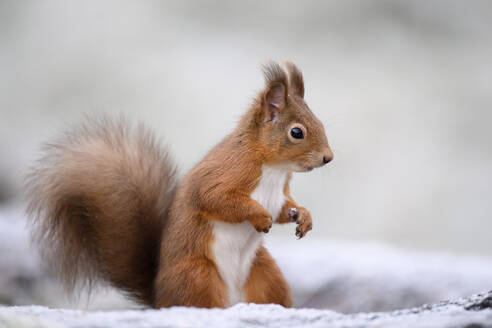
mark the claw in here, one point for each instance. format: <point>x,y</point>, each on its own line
<point>299,232</point>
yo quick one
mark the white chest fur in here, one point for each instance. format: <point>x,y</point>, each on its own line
<point>270,191</point>
<point>236,244</point>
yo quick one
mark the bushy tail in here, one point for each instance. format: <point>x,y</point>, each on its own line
<point>98,200</point>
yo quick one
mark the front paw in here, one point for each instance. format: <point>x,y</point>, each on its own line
<point>302,218</point>
<point>262,224</point>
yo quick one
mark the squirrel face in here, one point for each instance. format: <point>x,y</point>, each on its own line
<point>294,138</point>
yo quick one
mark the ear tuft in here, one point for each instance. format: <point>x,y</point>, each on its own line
<point>274,73</point>
<point>296,80</point>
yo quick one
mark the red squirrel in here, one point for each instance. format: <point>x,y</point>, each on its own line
<point>106,204</point>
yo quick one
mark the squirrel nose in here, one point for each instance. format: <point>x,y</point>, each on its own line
<point>327,158</point>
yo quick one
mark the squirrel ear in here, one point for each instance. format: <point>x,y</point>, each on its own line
<point>275,95</point>
<point>296,80</point>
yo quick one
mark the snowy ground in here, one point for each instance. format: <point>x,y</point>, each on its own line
<point>354,277</point>
<point>474,312</point>
<point>343,277</point>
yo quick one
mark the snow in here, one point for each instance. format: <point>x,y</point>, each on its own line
<point>355,277</point>
<point>459,313</point>
<point>368,279</point>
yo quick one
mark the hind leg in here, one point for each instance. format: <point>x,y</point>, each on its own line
<point>191,282</point>
<point>265,283</point>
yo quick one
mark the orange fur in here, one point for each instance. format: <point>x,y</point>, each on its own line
<point>266,284</point>
<point>106,203</point>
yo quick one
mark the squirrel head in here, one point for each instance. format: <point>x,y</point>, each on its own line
<point>289,134</point>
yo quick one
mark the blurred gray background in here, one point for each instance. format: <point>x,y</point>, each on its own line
<point>404,89</point>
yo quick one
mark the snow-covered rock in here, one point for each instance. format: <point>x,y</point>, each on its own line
<point>366,277</point>
<point>475,311</point>
<point>341,276</point>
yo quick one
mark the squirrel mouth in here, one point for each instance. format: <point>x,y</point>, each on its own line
<point>297,167</point>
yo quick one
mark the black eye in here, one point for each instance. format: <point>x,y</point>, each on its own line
<point>296,133</point>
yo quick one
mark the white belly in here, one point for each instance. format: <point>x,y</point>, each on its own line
<point>235,249</point>
<point>236,244</point>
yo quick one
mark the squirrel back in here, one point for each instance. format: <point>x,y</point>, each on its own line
<point>99,199</point>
